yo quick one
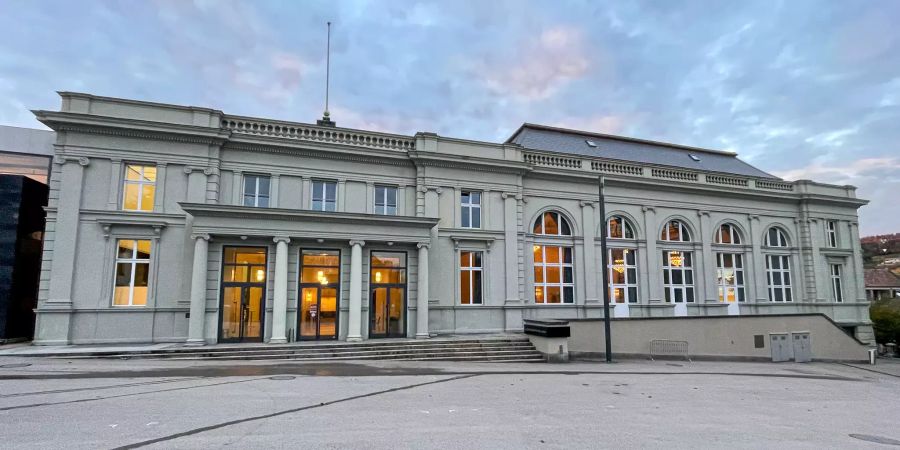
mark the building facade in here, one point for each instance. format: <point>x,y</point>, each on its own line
<point>182,224</point>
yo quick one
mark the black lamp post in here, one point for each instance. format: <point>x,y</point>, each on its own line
<point>604,267</point>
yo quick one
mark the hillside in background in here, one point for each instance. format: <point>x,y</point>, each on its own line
<point>881,251</point>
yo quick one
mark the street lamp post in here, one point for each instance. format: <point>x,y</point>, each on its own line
<point>604,268</point>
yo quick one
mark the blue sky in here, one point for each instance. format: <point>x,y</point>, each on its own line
<point>802,89</point>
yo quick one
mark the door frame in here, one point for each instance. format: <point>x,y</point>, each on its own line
<point>337,303</point>
<point>389,286</point>
<point>243,284</point>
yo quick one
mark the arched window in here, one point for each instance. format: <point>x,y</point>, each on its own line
<point>728,234</point>
<point>776,238</point>
<point>552,223</point>
<point>675,231</point>
<point>617,227</point>
<point>778,266</point>
<point>554,269</point>
<point>730,265</point>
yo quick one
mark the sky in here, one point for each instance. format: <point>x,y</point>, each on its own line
<point>801,89</point>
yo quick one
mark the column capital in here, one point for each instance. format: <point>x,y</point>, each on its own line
<point>204,236</point>
<point>587,203</point>
<point>648,208</point>
<point>753,217</point>
<point>702,213</point>
<point>83,161</point>
<point>360,243</point>
<point>424,245</point>
<point>279,239</point>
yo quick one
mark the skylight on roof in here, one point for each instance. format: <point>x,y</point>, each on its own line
<point>694,157</point>
<point>590,143</point>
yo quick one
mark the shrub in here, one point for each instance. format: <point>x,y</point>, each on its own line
<point>885,315</point>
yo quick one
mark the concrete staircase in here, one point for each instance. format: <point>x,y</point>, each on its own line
<point>486,349</point>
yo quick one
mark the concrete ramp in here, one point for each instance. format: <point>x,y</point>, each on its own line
<point>718,337</point>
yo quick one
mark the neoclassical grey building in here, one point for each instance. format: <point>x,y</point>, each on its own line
<point>183,224</point>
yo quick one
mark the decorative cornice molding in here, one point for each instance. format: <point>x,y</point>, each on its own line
<point>144,134</point>
<point>313,153</point>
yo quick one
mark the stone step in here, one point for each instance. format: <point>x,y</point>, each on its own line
<point>410,355</point>
<point>322,351</point>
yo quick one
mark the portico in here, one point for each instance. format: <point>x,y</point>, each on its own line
<point>286,236</point>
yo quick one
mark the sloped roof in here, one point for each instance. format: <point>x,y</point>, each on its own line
<point>881,278</point>
<point>562,140</point>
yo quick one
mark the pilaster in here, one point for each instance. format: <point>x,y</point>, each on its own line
<point>652,269</point>
<point>588,260</point>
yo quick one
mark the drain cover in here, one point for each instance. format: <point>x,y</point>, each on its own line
<point>282,377</point>
<point>13,366</point>
<point>875,439</point>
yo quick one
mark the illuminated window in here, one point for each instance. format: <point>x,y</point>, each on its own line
<point>244,265</point>
<point>836,288</point>
<point>132,272</point>
<point>320,267</point>
<point>728,234</point>
<point>139,188</point>
<point>675,231</point>
<point>678,276</point>
<point>256,191</point>
<point>470,278</point>
<point>729,265</point>
<point>778,275</point>
<point>617,227</point>
<point>386,200</point>
<point>622,275</point>
<point>324,196</point>
<point>554,281</point>
<point>470,209</point>
<point>552,223</point>
<point>831,233</point>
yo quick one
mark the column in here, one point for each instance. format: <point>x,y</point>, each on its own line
<point>66,230</point>
<point>198,290</point>
<point>354,321</point>
<point>273,191</point>
<point>279,305</point>
<point>511,240</point>
<point>707,263</point>
<point>651,259</point>
<point>237,182</point>
<point>422,293</point>
<point>160,192</point>
<point>759,263</point>
<point>855,270</point>
<point>591,271</point>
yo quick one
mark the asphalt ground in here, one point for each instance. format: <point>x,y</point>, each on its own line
<point>85,403</point>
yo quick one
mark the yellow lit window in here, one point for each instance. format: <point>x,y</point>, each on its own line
<point>139,188</point>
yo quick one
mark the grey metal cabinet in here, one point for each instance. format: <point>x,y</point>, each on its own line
<point>781,347</point>
<point>802,346</point>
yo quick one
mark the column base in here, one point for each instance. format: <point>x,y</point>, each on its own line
<point>423,336</point>
<point>278,341</point>
<point>354,338</point>
<point>194,342</point>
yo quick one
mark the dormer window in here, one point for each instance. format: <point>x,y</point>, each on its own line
<point>694,157</point>
<point>590,143</point>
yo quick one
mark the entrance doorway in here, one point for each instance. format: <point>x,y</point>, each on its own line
<point>320,281</point>
<point>387,306</point>
<point>242,309</point>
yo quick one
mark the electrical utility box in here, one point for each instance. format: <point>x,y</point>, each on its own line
<point>781,347</point>
<point>801,346</point>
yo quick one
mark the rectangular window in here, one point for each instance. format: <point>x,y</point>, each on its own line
<point>730,277</point>
<point>554,277</point>
<point>831,234</point>
<point>132,272</point>
<point>836,287</point>
<point>386,200</point>
<point>778,276</point>
<point>139,188</point>
<point>324,196</point>
<point>622,276</point>
<point>470,205</point>
<point>256,191</point>
<point>470,278</point>
<point>678,276</point>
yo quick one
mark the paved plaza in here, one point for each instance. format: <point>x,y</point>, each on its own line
<point>85,403</point>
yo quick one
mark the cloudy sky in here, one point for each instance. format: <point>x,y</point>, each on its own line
<point>802,89</point>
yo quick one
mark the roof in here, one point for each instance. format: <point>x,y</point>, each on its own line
<point>562,140</point>
<point>881,278</point>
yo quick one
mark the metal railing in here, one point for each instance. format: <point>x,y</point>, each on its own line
<point>666,347</point>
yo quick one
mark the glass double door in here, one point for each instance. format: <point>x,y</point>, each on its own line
<point>387,310</point>
<point>318,312</point>
<point>242,313</point>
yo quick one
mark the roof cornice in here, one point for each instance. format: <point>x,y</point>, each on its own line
<point>115,126</point>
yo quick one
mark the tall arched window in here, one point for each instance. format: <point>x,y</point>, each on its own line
<point>622,261</point>
<point>729,264</point>
<point>554,271</point>
<point>778,266</point>
<point>675,231</point>
<point>678,264</point>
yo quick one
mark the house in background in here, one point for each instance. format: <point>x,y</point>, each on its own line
<point>882,283</point>
<point>26,151</point>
